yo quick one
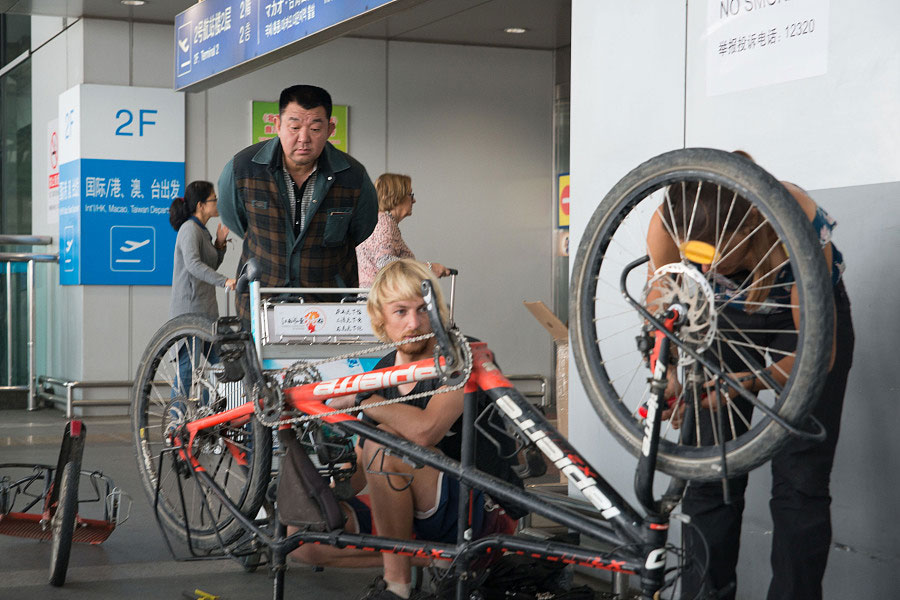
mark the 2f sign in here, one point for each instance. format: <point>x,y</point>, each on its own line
<point>127,124</point>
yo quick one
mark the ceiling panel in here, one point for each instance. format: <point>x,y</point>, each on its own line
<point>480,23</point>
<point>477,22</point>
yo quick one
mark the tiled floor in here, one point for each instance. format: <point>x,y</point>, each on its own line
<point>134,562</point>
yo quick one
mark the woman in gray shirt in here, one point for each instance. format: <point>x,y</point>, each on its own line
<point>194,276</point>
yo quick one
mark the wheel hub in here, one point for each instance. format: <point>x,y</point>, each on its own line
<point>684,284</point>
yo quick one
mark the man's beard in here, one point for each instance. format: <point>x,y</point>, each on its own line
<point>415,348</point>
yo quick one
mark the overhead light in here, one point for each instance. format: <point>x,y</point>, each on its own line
<point>133,2</point>
<point>515,30</point>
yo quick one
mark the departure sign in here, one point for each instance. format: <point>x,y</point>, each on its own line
<point>121,163</point>
<point>216,35</point>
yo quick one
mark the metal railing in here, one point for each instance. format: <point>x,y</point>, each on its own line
<point>46,384</point>
<point>30,259</point>
<point>537,390</point>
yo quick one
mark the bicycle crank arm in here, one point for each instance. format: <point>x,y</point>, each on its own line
<point>445,348</point>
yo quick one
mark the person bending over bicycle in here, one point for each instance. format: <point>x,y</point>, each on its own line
<point>405,500</point>
<point>741,250</point>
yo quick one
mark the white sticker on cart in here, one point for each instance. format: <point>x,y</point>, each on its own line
<point>321,319</point>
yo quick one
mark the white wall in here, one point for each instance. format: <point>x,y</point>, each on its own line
<point>620,117</point>
<point>835,130</point>
<point>471,125</point>
<point>638,89</point>
<point>473,130</point>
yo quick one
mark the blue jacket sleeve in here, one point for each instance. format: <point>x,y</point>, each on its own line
<point>230,204</point>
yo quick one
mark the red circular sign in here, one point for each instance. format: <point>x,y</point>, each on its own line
<point>564,200</point>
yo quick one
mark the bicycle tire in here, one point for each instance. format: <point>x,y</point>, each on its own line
<point>62,524</point>
<point>156,407</point>
<point>606,245</point>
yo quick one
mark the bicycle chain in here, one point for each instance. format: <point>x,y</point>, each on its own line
<point>309,368</point>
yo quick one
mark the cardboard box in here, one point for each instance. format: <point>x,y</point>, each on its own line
<point>560,334</point>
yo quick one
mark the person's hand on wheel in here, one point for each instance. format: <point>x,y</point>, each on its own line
<point>709,398</point>
<point>672,393</point>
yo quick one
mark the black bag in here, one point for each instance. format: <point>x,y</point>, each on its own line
<point>304,498</point>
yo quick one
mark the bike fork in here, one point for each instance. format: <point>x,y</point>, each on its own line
<point>656,524</point>
<point>643,481</point>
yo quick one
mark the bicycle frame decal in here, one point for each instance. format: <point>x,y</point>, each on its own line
<point>653,408</point>
<point>375,380</point>
<point>656,559</point>
<point>659,363</point>
<point>570,464</point>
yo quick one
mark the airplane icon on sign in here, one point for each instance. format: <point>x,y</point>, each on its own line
<point>132,248</point>
<point>183,53</point>
<point>131,245</point>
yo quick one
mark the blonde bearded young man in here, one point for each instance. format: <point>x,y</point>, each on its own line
<point>426,508</point>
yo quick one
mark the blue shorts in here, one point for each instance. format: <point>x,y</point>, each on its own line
<point>437,524</point>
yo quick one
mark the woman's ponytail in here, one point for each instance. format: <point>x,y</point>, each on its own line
<point>178,213</point>
<point>182,208</point>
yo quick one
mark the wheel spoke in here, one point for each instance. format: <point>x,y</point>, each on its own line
<point>614,315</point>
<point>629,328</point>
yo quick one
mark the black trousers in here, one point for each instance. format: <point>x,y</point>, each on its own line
<point>801,500</point>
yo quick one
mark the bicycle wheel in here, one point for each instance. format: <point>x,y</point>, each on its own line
<point>735,320</point>
<point>178,382</point>
<point>62,525</point>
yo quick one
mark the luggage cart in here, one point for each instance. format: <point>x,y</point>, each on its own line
<point>286,327</point>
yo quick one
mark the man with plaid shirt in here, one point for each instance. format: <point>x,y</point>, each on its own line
<point>301,205</point>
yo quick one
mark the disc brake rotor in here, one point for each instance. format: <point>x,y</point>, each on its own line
<point>684,284</point>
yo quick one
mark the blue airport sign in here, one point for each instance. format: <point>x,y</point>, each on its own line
<point>216,35</point>
<point>121,165</point>
<point>114,221</point>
